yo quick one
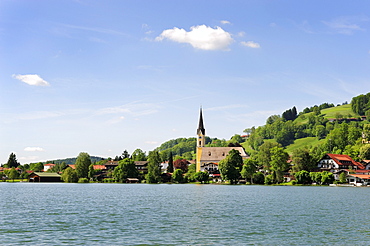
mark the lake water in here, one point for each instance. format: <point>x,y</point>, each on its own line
<point>142,214</point>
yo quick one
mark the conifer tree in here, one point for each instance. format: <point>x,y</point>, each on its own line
<point>170,163</point>
<point>12,161</point>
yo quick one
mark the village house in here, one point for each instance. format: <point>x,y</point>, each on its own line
<point>48,166</point>
<point>357,173</point>
<point>44,177</point>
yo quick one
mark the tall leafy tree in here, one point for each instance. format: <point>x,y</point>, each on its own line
<point>138,155</point>
<point>12,161</point>
<point>230,167</point>
<point>181,164</point>
<point>190,175</point>
<point>279,163</point>
<point>154,168</point>
<point>303,177</point>
<point>264,154</point>
<point>125,169</point>
<point>91,172</point>
<point>249,168</point>
<point>202,177</point>
<point>365,152</point>
<point>37,167</point>
<point>82,165</point>
<point>69,175</point>
<point>177,176</point>
<point>13,174</point>
<point>59,167</point>
<point>303,160</point>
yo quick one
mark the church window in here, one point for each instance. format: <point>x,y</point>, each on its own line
<point>209,153</point>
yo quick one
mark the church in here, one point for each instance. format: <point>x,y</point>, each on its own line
<point>209,157</point>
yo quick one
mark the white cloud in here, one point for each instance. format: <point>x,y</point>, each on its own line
<point>33,149</point>
<point>250,44</point>
<point>241,34</point>
<point>346,24</point>
<point>200,37</point>
<point>225,22</point>
<point>31,79</point>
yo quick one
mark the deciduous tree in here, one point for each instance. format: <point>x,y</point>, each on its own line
<point>69,175</point>
<point>230,167</point>
<point>303,177</point>
<point>177,176</point>
<point>125,169</point>
<point>138,155</point>
<point>249,168</point>
<point>181,164</point>
<point>37,167</point>
<point>154,168</point>
<point>202,177</point>
<point>13,174</point>
<point>279,163</point>
<point>82,165</point>
<point>303,160</point>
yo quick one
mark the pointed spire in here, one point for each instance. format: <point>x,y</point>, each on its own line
<point>201,129</point>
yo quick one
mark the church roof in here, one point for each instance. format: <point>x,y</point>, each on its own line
<point>201,129</point>
<point>217,154</point>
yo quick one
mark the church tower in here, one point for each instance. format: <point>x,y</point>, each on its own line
<point>201,132</point>
<point>201,140</point>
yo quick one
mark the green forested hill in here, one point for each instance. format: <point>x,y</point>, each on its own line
<point>71,161</point>
<point>316,130</point>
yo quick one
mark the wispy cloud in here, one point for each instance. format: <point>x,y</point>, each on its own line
<point>225,22</point>
<point>306,27</point>
<point>346,24</point>
<point>135,109</point>
<point>250,44</point>
<point>31,79</point>
<point>200,37</point>
<point>96,29</point>
<point>33,149</point>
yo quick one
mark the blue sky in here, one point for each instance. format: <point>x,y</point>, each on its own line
<point>105,76</point>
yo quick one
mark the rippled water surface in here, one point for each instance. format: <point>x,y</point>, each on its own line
<point>140,214</point>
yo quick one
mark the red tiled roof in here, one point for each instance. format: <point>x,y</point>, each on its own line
<point>50,164</point>
<point>361,176</point>
<point>72,166</point>
<point>339,159</point>
<point>99,167</point>
<point>358,171</point>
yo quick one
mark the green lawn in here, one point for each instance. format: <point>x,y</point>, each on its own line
<point>344,110</point>
<point>302,142</point>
